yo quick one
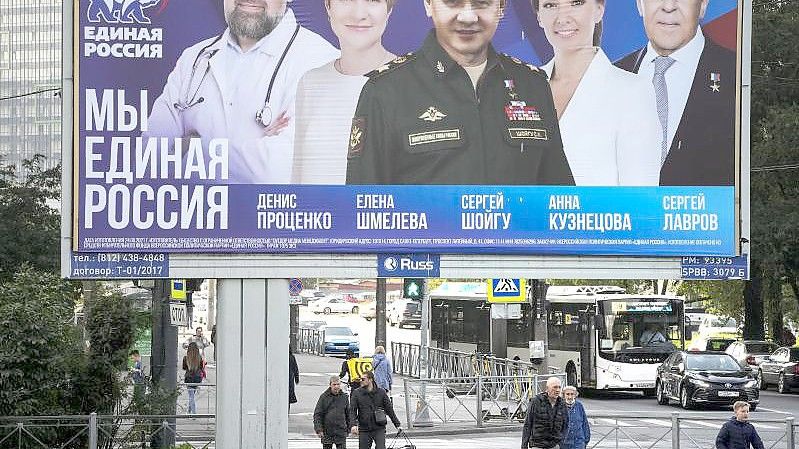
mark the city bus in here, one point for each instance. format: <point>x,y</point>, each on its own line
<point>594,333</point>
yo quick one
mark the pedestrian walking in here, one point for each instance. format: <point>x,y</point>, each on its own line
<point>194,367</point>
<point>738,432</point>
<point>199,339</point>
<point>352,381</point>
<point>370,410</point>
<point>331,417</point>
<point>294,377</point>
<point>137,376</point>
<point>578,432</point>
<point>547,421</point>
<point>382,369</point>
<point>213,340</point>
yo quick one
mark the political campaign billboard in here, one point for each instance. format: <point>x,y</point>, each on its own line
<point>548,127</point>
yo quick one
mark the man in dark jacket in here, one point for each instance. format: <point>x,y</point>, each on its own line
<point>331,417</point>
<point>547,421</point>
<point>366,401</point>
<point>738,432</point>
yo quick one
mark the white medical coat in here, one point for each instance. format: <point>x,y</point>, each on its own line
<point>610,130</point>
<point>228,109</point>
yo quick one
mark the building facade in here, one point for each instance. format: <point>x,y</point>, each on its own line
<point>30,79</point>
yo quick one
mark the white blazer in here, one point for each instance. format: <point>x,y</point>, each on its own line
<point>228,109</point>
<point>610,130</point>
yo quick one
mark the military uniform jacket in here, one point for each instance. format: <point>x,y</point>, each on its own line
<point>419,120</point>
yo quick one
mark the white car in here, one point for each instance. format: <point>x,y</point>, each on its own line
<point>332,305</point>
<point>368,310</point>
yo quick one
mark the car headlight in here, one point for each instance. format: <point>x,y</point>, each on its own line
<point>752,383</point>
<point>700,383</point>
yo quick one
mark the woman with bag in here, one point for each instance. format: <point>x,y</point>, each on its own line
<point>370,409</point>
<point>194,365</point>
<point>382,369</point>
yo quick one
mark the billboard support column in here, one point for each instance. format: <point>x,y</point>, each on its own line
<point>252,370</point>
<point>380,313</point>
<point>164,358</point>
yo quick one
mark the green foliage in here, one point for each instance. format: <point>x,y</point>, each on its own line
<point>29,221</point>
<point>720,297</point>
<point>36,344</point>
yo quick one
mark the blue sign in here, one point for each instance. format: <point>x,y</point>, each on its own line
<point>119,265</point>
<point>408,265</point>
<point>506,288</point>
<point>295,286</point>
<point>714,268</point>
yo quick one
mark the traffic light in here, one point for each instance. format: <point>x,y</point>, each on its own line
<point>412,288</point>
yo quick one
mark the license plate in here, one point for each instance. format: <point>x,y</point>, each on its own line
<point>645,385</point>
<point>728,394</point>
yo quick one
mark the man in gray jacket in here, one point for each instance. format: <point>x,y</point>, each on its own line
<point>547,420</point>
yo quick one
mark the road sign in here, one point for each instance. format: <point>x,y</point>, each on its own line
<point>295,286</point>
<point>178,289</point>
<point>178,316</point>
<point>412,288</point>
<point>408,265</point>
<point>506,311</point>
<point>506,290</point>
<point>714,268</point>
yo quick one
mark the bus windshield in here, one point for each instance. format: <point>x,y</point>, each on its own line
<point>652,325</point>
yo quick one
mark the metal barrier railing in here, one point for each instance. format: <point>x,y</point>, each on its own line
<point>311,341</point>
<point>471,399</point>
<point>444,363</point>
<point>204,398</point>
<point>96,431</point>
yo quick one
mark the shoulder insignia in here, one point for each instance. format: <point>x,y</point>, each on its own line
<point>518,61</point>
<point>385,68</point>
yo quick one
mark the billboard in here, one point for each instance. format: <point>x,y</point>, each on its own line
<point>198,130</point>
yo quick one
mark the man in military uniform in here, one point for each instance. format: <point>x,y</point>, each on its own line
<point>456,111</point>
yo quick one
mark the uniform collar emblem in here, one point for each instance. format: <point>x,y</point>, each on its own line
<point>432,115</point>
<point>355,136</point>
<point>440,67</point>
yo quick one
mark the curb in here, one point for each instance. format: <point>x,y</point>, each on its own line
<point>420,432</point>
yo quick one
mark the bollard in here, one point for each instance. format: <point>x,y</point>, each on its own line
<point>789,437</point>
<point>675,430</point>
<point>93,431</point>
<point>407,403</point>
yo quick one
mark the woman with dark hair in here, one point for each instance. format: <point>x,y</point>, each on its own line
<point>194,366</point>
<point>607,117</point>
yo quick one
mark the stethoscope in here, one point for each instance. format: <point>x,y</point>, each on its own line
<point>264,116</point>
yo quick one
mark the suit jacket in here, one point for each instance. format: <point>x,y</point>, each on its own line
<point>703,149</point>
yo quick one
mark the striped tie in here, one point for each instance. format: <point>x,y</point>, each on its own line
<point>662,63</point>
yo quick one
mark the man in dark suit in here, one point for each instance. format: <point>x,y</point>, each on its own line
<point>694,82</point>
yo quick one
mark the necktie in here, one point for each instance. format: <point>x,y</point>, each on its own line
<point>662,63</point>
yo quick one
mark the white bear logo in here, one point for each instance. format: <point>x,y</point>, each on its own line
<point>122,11</point>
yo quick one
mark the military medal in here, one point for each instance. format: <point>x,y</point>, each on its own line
<point>509,85</point>
<point>715,80</point>
<point>518,111</point>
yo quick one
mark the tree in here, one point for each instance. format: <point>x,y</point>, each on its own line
<point>774,188</point>
<point>29,221</point>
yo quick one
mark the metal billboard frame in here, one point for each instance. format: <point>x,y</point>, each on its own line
<point>276,266</point>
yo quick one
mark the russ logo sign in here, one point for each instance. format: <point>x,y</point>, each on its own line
<point>123,11</point>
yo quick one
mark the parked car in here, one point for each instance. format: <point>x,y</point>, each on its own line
<point>340,339</point>
<point>369,310</point>
<point>780,369</point>
<point>404,312</point>
<point>751,352</point>
<point>711,378</point>
<point>332,305</point>
<point>307,296</point>
<point>312,324</point>
<point>711,344</point>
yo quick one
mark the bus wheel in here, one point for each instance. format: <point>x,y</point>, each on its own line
<point>571,375</point>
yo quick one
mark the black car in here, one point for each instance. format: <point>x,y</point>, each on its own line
<point>781,368</point>
<point>703,377</point>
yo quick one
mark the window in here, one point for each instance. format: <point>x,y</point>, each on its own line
<point>563,327</point>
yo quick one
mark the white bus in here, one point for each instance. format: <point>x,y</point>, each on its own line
<point>594,333</point>
<point>607,340</point>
